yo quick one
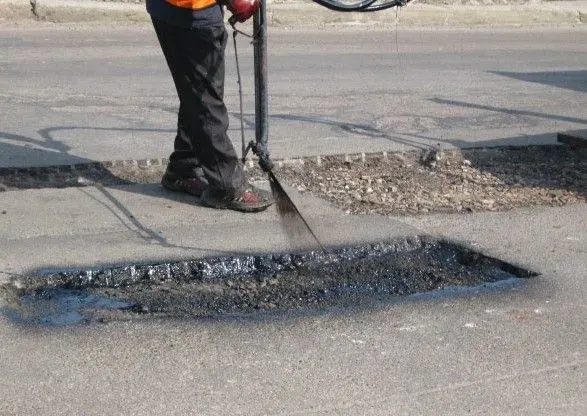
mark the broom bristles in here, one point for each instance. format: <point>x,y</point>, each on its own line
<point>294,224</point>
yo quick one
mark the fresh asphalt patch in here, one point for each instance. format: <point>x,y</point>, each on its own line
<point>437,180</point>
<point>285,284</point>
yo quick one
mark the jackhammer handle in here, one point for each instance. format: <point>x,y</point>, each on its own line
<point>265,161</point>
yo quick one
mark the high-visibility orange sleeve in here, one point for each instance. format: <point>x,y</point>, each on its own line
<point>192,4</point>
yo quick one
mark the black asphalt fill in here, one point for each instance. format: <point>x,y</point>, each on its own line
<point>351,276</point>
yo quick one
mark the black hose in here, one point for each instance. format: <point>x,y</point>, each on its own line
<point>361,6</point>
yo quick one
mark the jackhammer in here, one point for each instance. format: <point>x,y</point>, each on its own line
<point>259,147</point>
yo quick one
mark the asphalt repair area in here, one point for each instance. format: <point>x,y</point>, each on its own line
<point>517,350</point>
<point>346,276</point>
<point>290,282</point>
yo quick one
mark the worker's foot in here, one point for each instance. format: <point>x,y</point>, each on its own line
<point>191,185</point>
<point>252,199</point>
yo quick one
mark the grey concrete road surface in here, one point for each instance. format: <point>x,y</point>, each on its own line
<point>75,93</point>
<point>518,349</point>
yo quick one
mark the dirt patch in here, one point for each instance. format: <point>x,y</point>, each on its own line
<point>407,183</point>
<point>447,181</point>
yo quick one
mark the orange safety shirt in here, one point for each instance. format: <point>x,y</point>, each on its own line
<point>192,4</point>
<point>187,13</point>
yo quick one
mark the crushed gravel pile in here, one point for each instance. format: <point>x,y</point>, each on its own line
<point>468,180</point>
<point>445,181</point>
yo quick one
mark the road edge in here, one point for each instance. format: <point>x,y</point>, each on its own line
<point>310,15</point>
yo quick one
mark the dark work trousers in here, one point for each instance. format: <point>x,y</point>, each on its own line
<point>196,60</point>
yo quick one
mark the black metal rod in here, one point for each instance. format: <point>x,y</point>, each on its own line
<point>261,94</point>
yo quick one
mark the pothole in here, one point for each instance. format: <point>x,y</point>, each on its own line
<point>254,284</point>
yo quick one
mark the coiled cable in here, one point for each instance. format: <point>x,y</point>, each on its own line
<point>360,6</point>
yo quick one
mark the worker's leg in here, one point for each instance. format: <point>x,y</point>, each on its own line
<point>196,60</point>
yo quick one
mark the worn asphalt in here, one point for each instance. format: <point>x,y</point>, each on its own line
<point>78,93</point>
<point>517,349</point>
<point>514,349</point>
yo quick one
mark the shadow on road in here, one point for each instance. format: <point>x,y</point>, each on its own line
<point>60,169</point>
<point>509,110</point>
<point>571,80</point>
<point>566,171</point>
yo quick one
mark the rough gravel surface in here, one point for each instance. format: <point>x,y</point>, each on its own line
<point>445,181</point>
<point>408,183</point>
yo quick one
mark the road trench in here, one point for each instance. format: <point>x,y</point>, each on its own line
<point>284,284</point>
